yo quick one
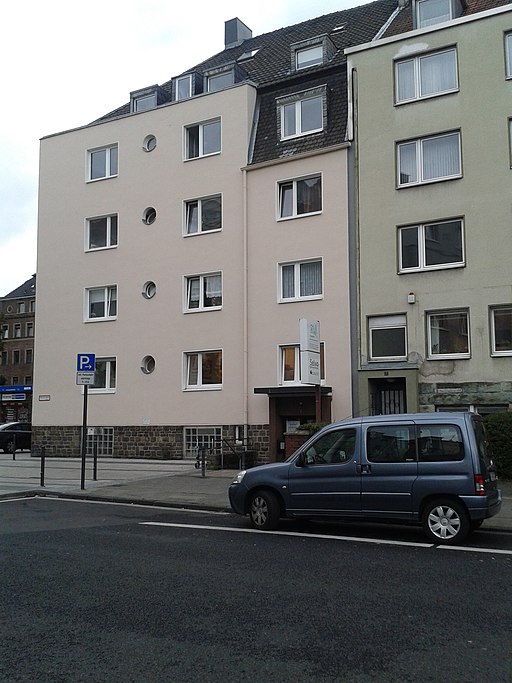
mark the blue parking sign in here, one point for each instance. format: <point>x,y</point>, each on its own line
<point>85,362</point>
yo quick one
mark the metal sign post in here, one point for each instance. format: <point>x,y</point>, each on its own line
<point>309,335</point>
<point>85,366</point>
<point>83,445</point>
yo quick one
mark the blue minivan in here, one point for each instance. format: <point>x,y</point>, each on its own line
<point>433,469</point>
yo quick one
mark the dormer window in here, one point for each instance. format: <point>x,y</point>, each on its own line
<point>312,52</point>
<point>309,56</point>
<point>184,87</point>
<point>145,102</point>
<point>219,81</point>
<point>147,98</point>
<point>431,12</point>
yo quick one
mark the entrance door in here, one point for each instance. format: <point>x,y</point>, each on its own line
<point>387,397</point>
<point>326,480</point>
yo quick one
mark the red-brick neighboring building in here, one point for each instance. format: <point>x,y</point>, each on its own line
<point>17,330</point>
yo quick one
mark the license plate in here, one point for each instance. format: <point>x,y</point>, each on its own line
<point>492,476</point>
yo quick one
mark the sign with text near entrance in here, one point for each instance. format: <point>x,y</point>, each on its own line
<point>310,367</point>
<point>309,335</point>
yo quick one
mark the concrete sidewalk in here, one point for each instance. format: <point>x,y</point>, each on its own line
<point>167,483</point>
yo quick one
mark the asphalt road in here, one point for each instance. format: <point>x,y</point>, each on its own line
<point>114,593</point>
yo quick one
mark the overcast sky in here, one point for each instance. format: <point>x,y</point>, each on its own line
<point>65,64</point>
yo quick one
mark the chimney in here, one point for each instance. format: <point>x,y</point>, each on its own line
<point>235,32</point>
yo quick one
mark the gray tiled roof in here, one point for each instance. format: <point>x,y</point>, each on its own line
<point>28,288</point>
<point>272,63</point>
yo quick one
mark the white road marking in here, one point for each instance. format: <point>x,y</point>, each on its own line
<point>299,534</point>
<point>355,539</point>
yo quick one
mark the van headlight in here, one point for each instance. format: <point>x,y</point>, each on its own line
<point>239,477</point>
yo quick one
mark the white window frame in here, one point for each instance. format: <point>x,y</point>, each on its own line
<point>507,39</point>
<point>419,157</point>
<point>431,355</point>
<point>396,321</point>
<point>493,310</point>
<point>111,169</point>
<point>294,182</point>
<point>109,231</point>
<point>297,103</point>
<point>417,62</point>
<point>29,330</point>
<point>436,20</point>
<point>201,128</point>
<point>4,331</point>
<point>108,299</point>
<point>17,331</point>
<point>108,388</point>
<point>199,386</point>
<point>187,78</point>
<point>201,277</point>
<point>422,251</point>
<point>219,77</point>
<point>297,379</point>
<point>312,62</point>
<point>145,102</point>
<point>296,276</point>
<point>199,200</point>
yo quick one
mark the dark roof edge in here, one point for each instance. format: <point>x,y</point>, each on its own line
<point>300,155</point>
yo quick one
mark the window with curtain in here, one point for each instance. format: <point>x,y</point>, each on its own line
<point>429,159</point>
<point>203,215</point>
<point>300,197</point>
<point>290,371</point>
<point>432,12</point>
<point>426,76</point>
<point>448,334</point>
<point>203,292</point>
<point>301,280</point>
<point>431,246</point>
<point>101,303</point>
<point>501,329</point>
<point>203,370</point>
<point>508,54</point>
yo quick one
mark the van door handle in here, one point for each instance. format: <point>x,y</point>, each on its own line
<point>363,469</point>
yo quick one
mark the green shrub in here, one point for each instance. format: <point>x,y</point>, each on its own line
<point>499,430</point>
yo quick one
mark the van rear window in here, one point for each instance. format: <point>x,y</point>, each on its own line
<point>440,443</point>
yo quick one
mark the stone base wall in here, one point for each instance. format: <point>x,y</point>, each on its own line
<point>156,442</point>
<point>452,394</point>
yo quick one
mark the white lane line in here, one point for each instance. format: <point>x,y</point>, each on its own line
<point>469,549</point>
<point>355,539</point>
<point>241,530</point>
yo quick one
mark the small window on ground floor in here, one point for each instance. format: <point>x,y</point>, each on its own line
<point>501,331</point>
<point>387,337</point>
<point>448,334</point>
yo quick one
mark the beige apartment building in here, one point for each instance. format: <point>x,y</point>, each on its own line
<point>431,108</point>
<point>183,237</point>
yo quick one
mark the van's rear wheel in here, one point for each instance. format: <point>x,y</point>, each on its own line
<point>264,510</point>
<point>445,521</point>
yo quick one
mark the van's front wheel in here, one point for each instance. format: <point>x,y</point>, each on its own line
<point>445,521</point>
<point>264,510</point>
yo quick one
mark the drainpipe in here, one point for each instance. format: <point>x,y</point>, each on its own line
<point>353,238</point>
<point>245,308</point>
